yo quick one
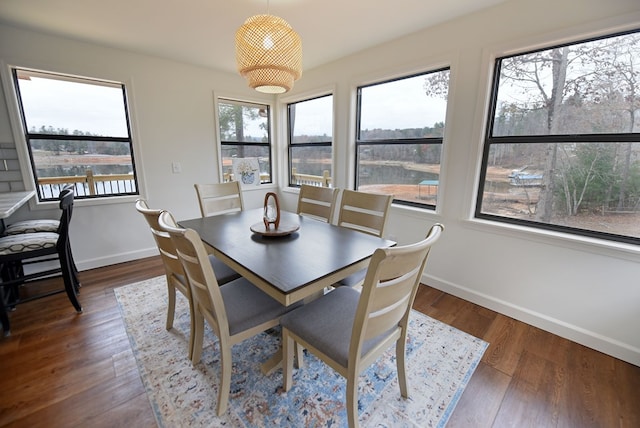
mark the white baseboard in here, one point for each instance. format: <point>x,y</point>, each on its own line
<point>607,345</point>
<point>117,258</point>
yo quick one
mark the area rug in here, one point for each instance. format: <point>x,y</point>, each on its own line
<point>440,362</point>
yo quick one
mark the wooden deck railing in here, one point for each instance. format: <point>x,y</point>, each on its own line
<point>107,184</point>
<point>323,180</point>
<point>228,176</point>
<point>88,185</point>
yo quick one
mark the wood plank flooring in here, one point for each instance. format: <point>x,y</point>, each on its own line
<point>61,369</point>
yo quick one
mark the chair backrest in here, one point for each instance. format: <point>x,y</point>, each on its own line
<point>165,245</point>
<point>317,202</point>
<point>219,198</point>
<point>389,290</point>
<point>66,198</point>
<point>366,212</point>
<point>67,188</point>
<point>201,277</point>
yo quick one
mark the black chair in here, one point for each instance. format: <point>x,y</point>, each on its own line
<point>39,225</point>
<point>18,251</point>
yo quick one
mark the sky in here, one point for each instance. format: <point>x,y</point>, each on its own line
<point>72,106</point>
<point>412,107</point>
<point>99,109</point>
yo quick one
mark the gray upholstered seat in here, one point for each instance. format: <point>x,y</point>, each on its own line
<point>247,306</point>
<point>349,330</point>
<point>329,333</point>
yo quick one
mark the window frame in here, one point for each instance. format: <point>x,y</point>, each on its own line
<point>359,142</point>
<point>489,140</point>
<point>291,145</point>
<point>27,137</point>
<point>268,144</point>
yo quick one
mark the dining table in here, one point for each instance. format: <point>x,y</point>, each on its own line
<point>296,261</point>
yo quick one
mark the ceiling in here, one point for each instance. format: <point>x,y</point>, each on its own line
<point>201,32</point>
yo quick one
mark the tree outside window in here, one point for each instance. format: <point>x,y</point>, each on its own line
<point>245,132</point>
<point>400,130</point>
<point>310,139</point>
<point>562,149</point>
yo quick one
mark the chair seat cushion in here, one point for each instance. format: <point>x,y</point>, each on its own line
<point>327,323</point>
<point>223,272</point>
<point>247,306</point>
<point>32,226</point>
<point>15,244</point>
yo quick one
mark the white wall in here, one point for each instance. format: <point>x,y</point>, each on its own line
<point>582,289</point>
<point>173,120</point>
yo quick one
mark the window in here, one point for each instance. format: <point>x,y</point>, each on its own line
<point>77,132</point>
<point>400,127</point>
<point>562,150</point>
<point>310,125</point>
<point>245,132</point>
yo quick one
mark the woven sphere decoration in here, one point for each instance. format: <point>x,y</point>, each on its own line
<point>268,54</point>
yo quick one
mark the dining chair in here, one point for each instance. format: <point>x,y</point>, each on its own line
<point>176,279</point>
<point>26,249</point>
<point>349,330</point>
<point>219,198</point>
<point>235,311</point>
<point>365,212</point>
<point>317,202</point>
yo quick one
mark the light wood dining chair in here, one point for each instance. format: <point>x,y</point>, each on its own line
<point>219,198</point>
<point>317,202</point>
<point>365,212</point>
<point>176,279</point>
<point>235,311</point>
<point>349,330</point>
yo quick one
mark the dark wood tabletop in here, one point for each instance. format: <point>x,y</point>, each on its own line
<point>290,267</point>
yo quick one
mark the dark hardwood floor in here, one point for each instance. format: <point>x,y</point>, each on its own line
<point>61,369</point>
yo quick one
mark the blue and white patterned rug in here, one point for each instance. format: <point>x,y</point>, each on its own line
<point>440,362</point>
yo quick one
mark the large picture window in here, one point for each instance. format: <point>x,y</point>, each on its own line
<point>562,149</point>
<point>77,132</point>
<point>245,132</point>
<point>310,126</point>
<point>400,129</point>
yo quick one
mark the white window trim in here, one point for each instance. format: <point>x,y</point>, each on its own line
<point>593,245</point>
<point>21,145</point>
<point>283,125</point>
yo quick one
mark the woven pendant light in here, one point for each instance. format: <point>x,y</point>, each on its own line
<point>268,54</point>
